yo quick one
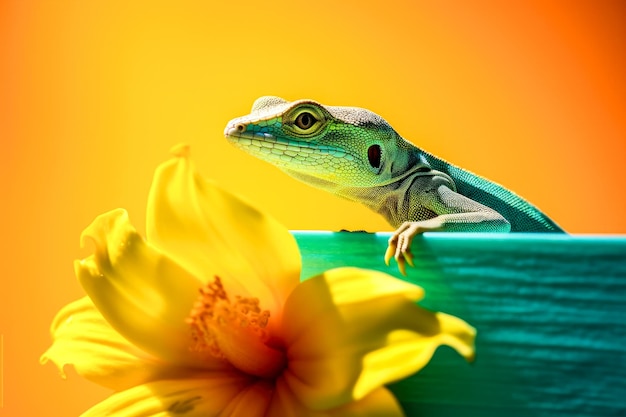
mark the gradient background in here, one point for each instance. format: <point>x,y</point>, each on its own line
<point>93,94</point>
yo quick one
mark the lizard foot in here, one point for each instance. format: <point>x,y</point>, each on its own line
<point>399,245</point>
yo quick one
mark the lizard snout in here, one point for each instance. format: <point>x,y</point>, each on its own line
<point>234,129</point>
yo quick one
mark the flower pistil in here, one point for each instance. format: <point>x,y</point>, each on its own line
<point>234,330</point>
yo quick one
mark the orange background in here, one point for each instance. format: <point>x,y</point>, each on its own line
<point>93,94</point>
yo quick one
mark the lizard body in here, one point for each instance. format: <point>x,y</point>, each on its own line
<point>356,154</point>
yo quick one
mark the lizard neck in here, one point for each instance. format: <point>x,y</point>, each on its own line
<point>392,199</point>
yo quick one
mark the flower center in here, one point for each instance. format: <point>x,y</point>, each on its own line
<point>234,330</point>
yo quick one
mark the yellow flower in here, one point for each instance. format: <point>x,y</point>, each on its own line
<point>207,316</point>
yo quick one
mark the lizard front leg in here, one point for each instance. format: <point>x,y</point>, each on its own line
<point>453,213</point>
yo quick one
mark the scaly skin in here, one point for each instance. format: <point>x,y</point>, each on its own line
<point>355,154</point>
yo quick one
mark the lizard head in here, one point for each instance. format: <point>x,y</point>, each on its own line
<point>324,146</point>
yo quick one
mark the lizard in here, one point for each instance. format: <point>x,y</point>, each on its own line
<point>354,153</point>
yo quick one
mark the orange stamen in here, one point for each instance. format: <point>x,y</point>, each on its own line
<point>214,308</point>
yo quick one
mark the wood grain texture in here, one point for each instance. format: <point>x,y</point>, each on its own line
<point>550,311</point>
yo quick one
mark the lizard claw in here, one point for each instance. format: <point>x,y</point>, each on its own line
<point>391,249</point>
<point>391,252</point>
<point>399,246</point>
<point>409,259</point>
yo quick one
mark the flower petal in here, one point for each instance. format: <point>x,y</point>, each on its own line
<point>82,338</point>
<point>378,403</point>
<point>212,232</point>
<point>143,294</point>
<point>204,397</point>
<point>350,331</point>
<point>251,401</point>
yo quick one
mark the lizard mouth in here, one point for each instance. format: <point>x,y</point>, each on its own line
<point>280,150</point>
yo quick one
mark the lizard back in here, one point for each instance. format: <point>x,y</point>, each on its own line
<point>523,216</point>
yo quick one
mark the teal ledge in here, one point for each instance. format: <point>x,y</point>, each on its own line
<point>550,311</point>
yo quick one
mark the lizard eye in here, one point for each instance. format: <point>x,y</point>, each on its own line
<point>305,120</point>
<point>374,154</point>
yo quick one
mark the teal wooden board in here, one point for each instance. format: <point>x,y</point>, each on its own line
<point>550,311</point>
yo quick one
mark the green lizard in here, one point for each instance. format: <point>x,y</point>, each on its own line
<point>355,154</point>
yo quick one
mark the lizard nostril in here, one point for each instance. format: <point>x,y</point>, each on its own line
<point>240,127</point>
